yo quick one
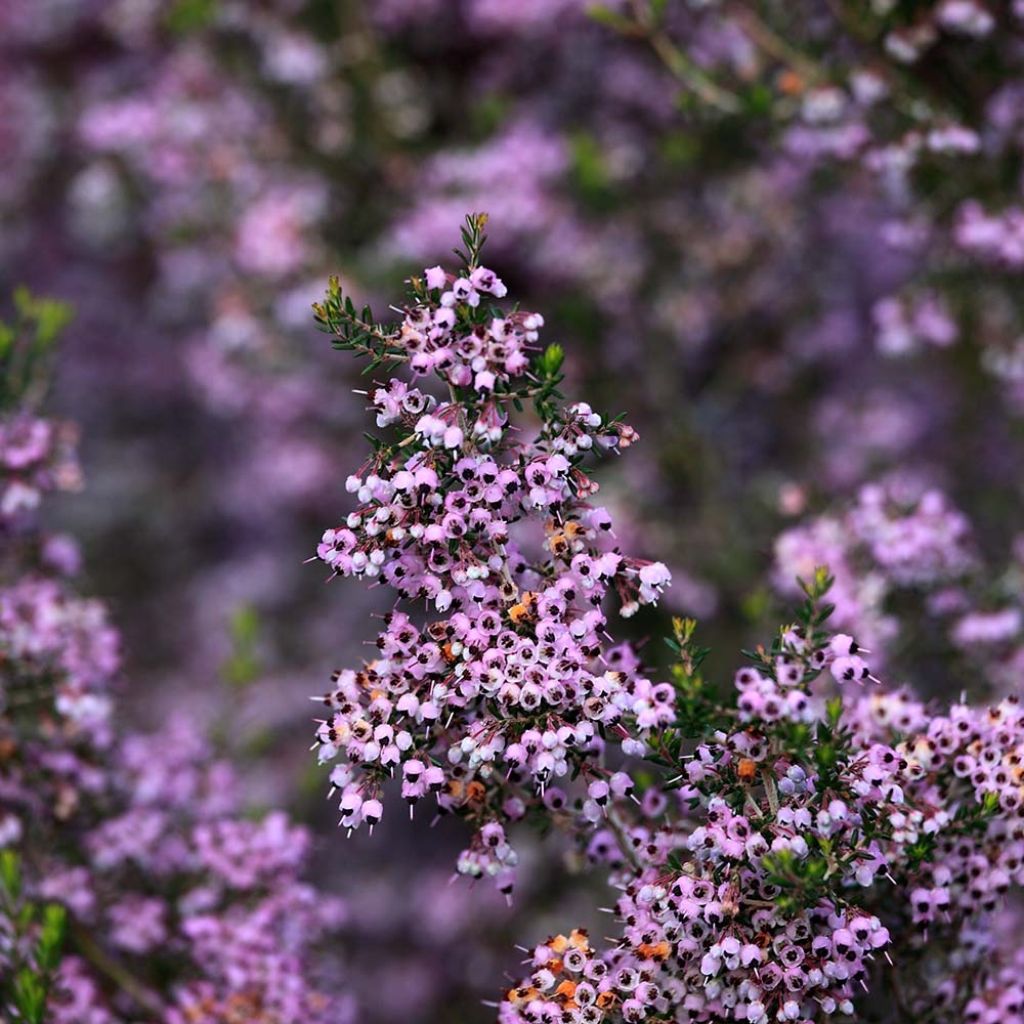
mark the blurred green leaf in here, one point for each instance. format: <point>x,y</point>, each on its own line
<point>755,604</point>
<point>10,874</point>
<point>551,360</point>
<point>589,170</point>
<point>488,114</point>
<point>605,15</point>
<point>758,99</point>
<point>190,15</point>
<point>25,346</point>
<point>51,936</point>
<point>680,148</point>
<point>29,995</point>
<point>244,664</point>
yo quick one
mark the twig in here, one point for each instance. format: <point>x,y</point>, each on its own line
<point>623,840</point>
<point>774,44</point>
<point>117,972</point>
<point>698,81</point>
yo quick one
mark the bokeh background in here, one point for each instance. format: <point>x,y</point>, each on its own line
<point>784,239</point>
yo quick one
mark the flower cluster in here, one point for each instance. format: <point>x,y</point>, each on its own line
<point>222,910</point>
<point>193,169</point>
<point>962,770</point>
<point>38,456</point>
<point>797,853</point>
<point>58,653</point>
<point>60,656</point>
<point>486,521</point>
<point>896,536</point>
<point>736,209</point>
<point>779,847</point>
<point>912,582</point>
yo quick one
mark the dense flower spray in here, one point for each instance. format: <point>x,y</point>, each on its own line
<point>811,186</point>
<point>494,682</point>
<point>811,852</point>
<point>897,536</point>
<point>778,852</point>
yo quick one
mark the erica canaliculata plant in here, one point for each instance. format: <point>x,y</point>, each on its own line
<point>810,857</point>
<point>783,851</point>
<point>131,886</point>
<point>494,680</point>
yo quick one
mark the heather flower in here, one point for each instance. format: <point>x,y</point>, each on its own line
<point>783,841</point>
<point>59,652</point>
<point>766,215</point>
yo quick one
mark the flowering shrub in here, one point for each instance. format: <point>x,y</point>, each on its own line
<point>912,582</point>
<point>776,852</point>
<point>808,848</point>
<point>123,851</point>
<point>487,522</point>
<point>786,237</point>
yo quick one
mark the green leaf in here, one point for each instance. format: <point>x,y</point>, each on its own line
<point>51,936</point>
<point>590,169</point>
<point>190,15</point>
<point>834,711</point>
<point>551,359</point>
<point>680,149</point>
<point>473,238</point>
<point>10,873</point>
<point>29,995</point>
<point>605,15</point>
<point>243,665</point>
<point>487,115</point>
<point>759,99</point>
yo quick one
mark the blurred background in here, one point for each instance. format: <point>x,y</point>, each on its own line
<point>785,240</point>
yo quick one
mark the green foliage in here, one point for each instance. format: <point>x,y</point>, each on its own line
<point>696,708</point>
<point>609,17</point>
<point>10,876</point>
<point>547,369</point>
<point>355,331</point>
<point>803,881</point>
<point>699,712</point>
<point>243,665</point>
<point>473,238</point>
<point>811,617</point>
<point>590,171</point>
<point>550,361</point>
<point>26,346</point>
<point>488,114</point>
<point>758,99</point>
<point>51,937</point>
<point>185,16</point>
<point>38,935</point>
